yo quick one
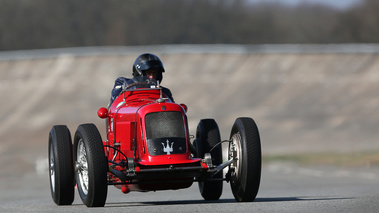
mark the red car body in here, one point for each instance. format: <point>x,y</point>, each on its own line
<point>148,148</point>
<point>148,128</point>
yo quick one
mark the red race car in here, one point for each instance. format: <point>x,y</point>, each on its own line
<point>149,148</point>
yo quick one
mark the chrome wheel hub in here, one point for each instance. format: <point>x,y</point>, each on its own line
<point>81,167</point>
<point>52,168</point>
<point>235,154</point>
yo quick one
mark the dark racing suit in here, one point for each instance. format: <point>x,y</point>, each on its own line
<point>117,88</point>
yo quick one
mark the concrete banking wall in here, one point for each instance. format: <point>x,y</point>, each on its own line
<point>305,98</point>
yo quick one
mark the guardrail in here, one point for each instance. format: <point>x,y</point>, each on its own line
<point>192,49</point>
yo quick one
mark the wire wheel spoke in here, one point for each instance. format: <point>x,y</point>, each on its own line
<point>52,168</point>
<point>82,167</point>
<point>235,154</point>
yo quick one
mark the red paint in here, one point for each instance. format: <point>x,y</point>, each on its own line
<point>125,125</point>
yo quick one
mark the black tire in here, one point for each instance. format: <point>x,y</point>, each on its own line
<point>198,148</point>
<point>61,170</point>
<point>245,172</point>
<point>207,136</point>
<point>91,166</point>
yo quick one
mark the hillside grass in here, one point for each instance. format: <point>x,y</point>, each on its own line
<point>351,159</point>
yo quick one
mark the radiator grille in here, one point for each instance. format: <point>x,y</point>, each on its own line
<point>164,125</point>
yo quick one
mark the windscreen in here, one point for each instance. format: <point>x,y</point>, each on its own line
<point>140,82</point>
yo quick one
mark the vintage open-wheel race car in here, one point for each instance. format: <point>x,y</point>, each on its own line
<point>149,148</point>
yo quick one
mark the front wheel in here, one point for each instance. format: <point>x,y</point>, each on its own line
<point>208,137</point>
<point>61,170</point>
<point>91,166</point>
<point>245,170</point>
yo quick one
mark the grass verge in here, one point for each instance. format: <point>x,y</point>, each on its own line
<point>353,159</point>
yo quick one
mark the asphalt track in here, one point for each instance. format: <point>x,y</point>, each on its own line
<point>304,98</point>
<point>284,188</point>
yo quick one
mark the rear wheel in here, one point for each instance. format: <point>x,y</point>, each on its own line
<point>61,170</point>
<point>91,166</point>
<point>245,170</point>
<point>207,136</point>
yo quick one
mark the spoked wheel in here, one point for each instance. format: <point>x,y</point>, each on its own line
<point>245,170</point>
<point>91,166</point>
<point>207,136</point>
<point>61,170</point>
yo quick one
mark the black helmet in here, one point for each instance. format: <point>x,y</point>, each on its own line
<point>148,61</point>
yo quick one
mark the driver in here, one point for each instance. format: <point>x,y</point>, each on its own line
<point>148,65</point>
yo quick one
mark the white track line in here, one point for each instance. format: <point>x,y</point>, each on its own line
<point>337,173</point>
